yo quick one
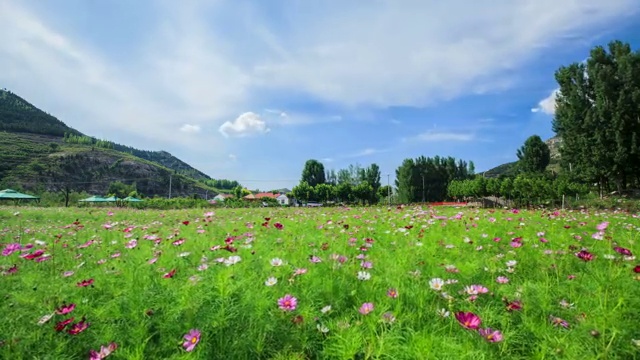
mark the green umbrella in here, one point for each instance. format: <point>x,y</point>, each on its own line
<point>14,195</point>
<point>94,199</point>
<point>113,198</point>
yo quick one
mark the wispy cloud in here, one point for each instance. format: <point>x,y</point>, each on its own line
<point>436,136</point>
<point>548,104</point>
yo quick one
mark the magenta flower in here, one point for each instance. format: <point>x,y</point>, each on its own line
<point>584,255</point>
<point>65,309</point>
<point>287,303</point>
<point>366,308</point>
<point>468,320</point>
<point>191,339</point>
<point>602,226</point>
<point>622,251</point>
<point>490,334</point>
<point>10,249</point>
<point>502,279</point>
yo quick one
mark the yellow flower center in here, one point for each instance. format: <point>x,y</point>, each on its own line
<point>194,340</point>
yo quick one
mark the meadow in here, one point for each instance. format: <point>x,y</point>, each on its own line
<point>325,283</point>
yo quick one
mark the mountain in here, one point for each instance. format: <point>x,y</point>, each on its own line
<point>509,168</point>
<point>40,152</point>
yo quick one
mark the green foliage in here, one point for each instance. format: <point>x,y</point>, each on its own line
<point>534,155</point>
<point>222,184</point>
<point>427,179</point>
<point>313,173</point>
<point>597,111</point>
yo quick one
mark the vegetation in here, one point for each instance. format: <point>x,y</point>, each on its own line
<point>41,153</point>
<point>352,185</point>
<point>534,156</point>
<point>307,286</point>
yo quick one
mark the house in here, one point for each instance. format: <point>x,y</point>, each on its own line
<point>222,197</point>
<point>283,199</point>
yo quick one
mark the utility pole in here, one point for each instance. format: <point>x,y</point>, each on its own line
<point>389,189</point>
<point>170,186</point>
<point>423,188</point>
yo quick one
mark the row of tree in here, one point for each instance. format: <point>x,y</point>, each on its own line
<point>353,184</point>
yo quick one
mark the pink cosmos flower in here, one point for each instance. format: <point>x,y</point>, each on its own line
<point>602,226</point>
<point>78,327</point>
<point>468,320</point>
<point>191,339</point>
<point>10,249</point>
<point>104,351</point>
<point>366,308</point>
<point>85,283</point>
<point>502,279</point>
<point>65,309</point>
<point>287,303</point>
<point>556,321</point>
<point>490,334</point>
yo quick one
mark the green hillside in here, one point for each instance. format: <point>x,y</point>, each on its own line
<point>509,168</point>
<point>40,152</point>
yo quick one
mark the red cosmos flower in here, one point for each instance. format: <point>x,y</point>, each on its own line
<point>278,226</point>
<point>584,255</point>
<point>468,320</point>
<point>636,269</point>
<point>513,305</point>
<point>170,274</point>
<point>65,309</point>
<point>346,226</point>
<point>78,327</point>
<point>85,283</point>
<point>63,324</point>
<point>622,251</point>
<point>33,255</point>
<point>408,227</point>
<point>267,219</point>
<point>230,249</point>
<point>185,223</point>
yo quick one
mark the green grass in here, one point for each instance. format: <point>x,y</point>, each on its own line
<point>132,304</point>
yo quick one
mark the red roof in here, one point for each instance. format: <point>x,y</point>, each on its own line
<point>265,195</point>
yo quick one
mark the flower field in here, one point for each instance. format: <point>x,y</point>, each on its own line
<point>325,283</point>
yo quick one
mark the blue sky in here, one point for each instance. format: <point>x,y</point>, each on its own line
<point>249,90</point>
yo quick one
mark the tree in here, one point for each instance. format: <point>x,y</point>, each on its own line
<point>404,181</point>
<point>534,155</point>
<point>597,111</point>
<point>325,192</point>
<point>313,173</point>
<point>303,192</point>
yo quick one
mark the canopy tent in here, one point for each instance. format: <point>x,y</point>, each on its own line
<point>14,195</point>
<point>132,199</point>
<point>112,199</point>
<point>94,199</point>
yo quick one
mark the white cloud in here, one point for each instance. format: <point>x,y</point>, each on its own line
<point>435,136</point>
<point>233,157</point>
<point>548,104</point>
<point>190,129</point>
<point>244,125</point>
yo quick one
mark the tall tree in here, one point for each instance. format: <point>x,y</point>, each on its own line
<point>597,112</point>
<point>534,155</point>
<point>404,181</point>
<point>313,173</point>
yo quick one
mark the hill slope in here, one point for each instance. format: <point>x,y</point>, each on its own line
<point>509,168</point>
<point>34,154</point>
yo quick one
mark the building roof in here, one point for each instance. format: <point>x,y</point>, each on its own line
<point>265,195</point>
